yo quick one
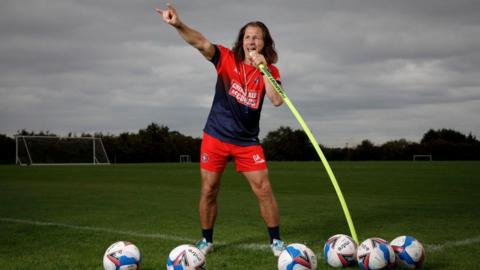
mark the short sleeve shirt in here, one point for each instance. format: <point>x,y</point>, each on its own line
<point>237,104</point>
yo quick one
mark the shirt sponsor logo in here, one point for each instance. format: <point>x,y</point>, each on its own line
<point>249,99</point>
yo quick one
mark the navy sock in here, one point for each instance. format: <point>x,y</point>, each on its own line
<point>208,235</point>
<point>274,233</point>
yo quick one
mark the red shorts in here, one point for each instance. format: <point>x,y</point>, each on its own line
<point>214,156</point>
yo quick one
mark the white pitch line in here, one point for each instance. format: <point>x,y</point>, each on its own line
<point>450,244</point>
<point>97,229</point>
<point>250,246</point>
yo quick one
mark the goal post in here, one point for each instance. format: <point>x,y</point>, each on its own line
<point>54,150</point>
<point>185,159</point>
<point>422,157</point>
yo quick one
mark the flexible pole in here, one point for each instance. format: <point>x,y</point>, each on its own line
<point>314,142</point>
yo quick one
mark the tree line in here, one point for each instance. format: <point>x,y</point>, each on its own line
<point>444,144</point>
<point>157,143</point>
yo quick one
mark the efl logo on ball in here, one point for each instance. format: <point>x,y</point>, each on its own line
<point>122,255</point>
<point>186,257</point>
<point>297,257</point>
<point>340,251</point>
<point>375,254</point>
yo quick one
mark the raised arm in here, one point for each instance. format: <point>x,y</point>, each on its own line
<point>191,36</point>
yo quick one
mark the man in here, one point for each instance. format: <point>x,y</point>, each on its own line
<point>233,123</point>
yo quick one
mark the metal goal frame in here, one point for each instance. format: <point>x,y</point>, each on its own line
<point>97,144</point>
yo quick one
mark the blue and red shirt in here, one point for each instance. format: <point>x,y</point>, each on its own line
<point>239,94</point>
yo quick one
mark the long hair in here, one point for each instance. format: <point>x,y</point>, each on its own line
<point>268,48</point>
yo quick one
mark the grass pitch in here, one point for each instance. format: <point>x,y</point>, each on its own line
<point>65,217</point>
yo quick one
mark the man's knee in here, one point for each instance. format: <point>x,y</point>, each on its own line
<point>209,191</point>
<point>263,190</point>
<point>210,185</point>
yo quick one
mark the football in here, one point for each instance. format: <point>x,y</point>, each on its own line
<point>375,254</point>
<point>122,255</point>
<point>186,257</point>
<point>409,251</point>
<point>297,257</point>
<point>340,251</point>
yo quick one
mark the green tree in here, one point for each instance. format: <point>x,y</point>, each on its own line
<point>366,151</point>
<point>398,150</point>
<point>445,135</point>
<point>287,144</point>
<point>7,145</point>
<point>448,144</point>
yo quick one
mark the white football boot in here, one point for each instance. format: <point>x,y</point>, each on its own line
<point>204,246</point>
<point>277,247</point>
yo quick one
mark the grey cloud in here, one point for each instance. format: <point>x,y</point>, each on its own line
<point>371,69</point>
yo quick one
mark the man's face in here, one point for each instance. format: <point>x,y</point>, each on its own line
<point>253,40</point>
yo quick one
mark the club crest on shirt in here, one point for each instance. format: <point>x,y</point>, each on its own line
<point>257,159</point>
<point>204,158</point>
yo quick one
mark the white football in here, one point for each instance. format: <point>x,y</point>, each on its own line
<point>122,255</point>
<point>297,257</point>
<point>186,257</point>
<point>375,254</point>
<point>340,250</point>
<point>409,251</point>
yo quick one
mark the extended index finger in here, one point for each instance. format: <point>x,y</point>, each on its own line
<point>171,7</point>
<point>159,11</point>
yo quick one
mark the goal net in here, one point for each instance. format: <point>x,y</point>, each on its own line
<point>53,150</point>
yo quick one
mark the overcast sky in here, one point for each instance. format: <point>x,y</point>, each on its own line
<point>355,69</point>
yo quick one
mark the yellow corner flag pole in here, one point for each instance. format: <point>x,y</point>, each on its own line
<point>299,118</point>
